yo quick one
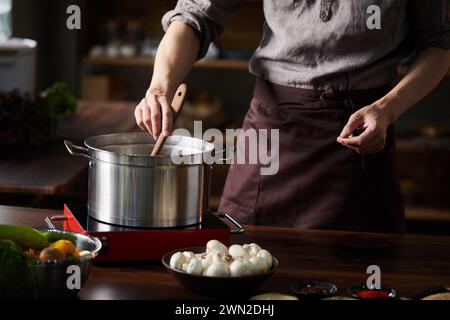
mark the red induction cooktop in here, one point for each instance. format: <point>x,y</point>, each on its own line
<point>132,244</point>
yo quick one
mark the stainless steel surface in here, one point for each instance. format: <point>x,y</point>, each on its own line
<point>128,187</point>
<point>82,152</point>
<point>49,221</point>
<point>52,276</point>
<point>237,228</point>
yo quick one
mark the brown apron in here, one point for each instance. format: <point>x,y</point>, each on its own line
<point>320,183</point>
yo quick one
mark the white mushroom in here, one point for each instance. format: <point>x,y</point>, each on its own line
<point>220,261</point>
<point>238,252</point>
<point>252,248</point>
<point>177,260</point>
<point>228,258</point>
<point>205,264</point>
<point>240,268</point>
<point>217,270</point>
<point>266,256</point>
<point>189,255</point>
<point>218,257</point>
<point>84,253</point>
<point>214,246</point>
<point>185,266</point>
<point>259,265</point>
<point>199,255</point>
<point>195,267</point>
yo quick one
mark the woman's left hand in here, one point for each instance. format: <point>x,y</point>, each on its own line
<point>366,129</point>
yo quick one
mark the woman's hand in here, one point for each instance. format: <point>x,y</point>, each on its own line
<point>176,55</point>
<point>427,70</point>
<point>154,112</point>
<point>366,129</point>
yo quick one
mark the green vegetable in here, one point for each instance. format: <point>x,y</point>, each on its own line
<point>25,236</point>
<point>57,99</point>
<point>31,119</point>
<point>17,276</point>
<point>55,236</point>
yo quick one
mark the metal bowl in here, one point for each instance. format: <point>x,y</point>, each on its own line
<point>218,286</point>
<point>65,278</point>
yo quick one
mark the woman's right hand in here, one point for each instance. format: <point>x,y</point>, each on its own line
<point>154,113</point>
<point>176,55</point>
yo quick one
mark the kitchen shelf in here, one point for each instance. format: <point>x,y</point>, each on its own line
<point>220,64</point>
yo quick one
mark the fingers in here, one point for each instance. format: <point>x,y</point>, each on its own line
<point>356,121</point>
<point>370,141</point>
<point>374,123</point>
<point>155,108</point>
<point>138,115</point>
<point>146,116</point>
<point>167,116</point>
<point>154,114</point>
<point>357,142</point>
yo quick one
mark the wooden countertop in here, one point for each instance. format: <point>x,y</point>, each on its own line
<point>412,264</point>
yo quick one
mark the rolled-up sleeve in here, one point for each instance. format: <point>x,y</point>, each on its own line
<point>429,23</point>
<point>206,17</point>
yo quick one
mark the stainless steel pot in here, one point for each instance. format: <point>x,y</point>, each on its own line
<point>127,187</point>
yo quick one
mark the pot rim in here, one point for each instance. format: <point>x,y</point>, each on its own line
<point>97,153</point>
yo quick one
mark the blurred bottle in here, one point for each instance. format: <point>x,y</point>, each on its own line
<point>5,20</point>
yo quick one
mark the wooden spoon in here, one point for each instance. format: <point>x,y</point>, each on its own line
<point>177,105</point>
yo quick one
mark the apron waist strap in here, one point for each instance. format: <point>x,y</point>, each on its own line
<point>275,94</point>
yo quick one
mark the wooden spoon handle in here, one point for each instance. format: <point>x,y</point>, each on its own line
<point>177,105</point>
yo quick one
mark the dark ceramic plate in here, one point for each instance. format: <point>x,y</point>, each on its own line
<point>218,286</point>
<point>389,293</point>
<point>312,288</point>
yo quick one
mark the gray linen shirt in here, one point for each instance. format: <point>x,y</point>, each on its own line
<point>303,48</point>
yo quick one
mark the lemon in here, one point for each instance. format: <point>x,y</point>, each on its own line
<point>66,247</point>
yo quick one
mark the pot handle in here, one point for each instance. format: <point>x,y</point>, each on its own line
<point>49,221</point>
<point>237,227</point>
<point>225,154</point>
<point>72,148</point>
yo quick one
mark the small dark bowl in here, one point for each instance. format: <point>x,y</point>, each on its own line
<point>218,286</point>
<point>391,294</point>
<point>298,288</point>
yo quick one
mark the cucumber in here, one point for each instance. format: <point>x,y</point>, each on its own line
<point>24,236</point>
<point>55,236</point>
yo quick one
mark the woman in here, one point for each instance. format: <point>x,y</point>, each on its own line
<point>325,72</point>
